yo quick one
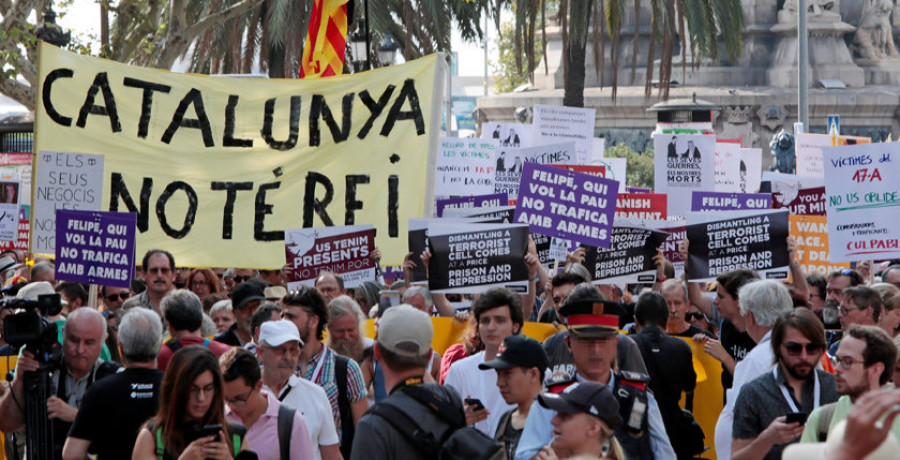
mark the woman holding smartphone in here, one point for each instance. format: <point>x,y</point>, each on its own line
<point>190,424</point>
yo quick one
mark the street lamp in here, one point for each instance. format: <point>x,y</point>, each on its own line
<point>359,47</point>
<point>50,32</point>
<point>387,49</point>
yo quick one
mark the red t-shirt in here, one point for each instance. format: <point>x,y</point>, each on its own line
<point>165,353</point>
<point>452,354</point>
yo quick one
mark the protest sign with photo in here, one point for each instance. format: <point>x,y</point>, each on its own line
<point>802,195</point>
<point>629,259</point>
<point>728,165</point>
<point>472,258</point>
<point>688,164</point>
<point>811,233</point>
<point>559,124</point>
<point>475,201</point>
<point>464,164</point>
<point>218,169</point>
<point>751,170</point>
<point>508,134</point>
<point>10,190</point>
<point>808,148</point>
<point>728,240</point>
<point>566,204</point>
<point>95,247</point>
<point>63,181</point>
<point>723,201</point>
<point>677,234</point>
<point>17,166</point>
<point>648,206</point>
<point>862,201</point>
<point>342,250</point>
<point>510,163</point>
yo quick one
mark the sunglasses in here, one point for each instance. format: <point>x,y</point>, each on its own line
<point>240,279</point>
<point>693,316</point>
<point>122,296</point>
<point>794,348</point>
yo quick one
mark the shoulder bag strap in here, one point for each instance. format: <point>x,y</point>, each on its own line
<point>402,422</point>
<point>347,427</point>
<point>285,427</point>
<point>826,413</point>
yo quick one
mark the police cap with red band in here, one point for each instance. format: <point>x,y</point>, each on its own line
<point>592,317</point>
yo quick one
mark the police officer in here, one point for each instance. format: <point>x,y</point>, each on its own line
<point>592,339</point>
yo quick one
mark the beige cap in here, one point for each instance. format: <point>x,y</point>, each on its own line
<point>274,293</point>
<point>406,331</point>
<point>31,291</point>
<point>888,450</point>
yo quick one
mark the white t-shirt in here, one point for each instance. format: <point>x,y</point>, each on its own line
<point>471,382</point>
<point>311,400</point>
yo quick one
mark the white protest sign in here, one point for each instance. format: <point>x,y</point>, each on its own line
<point>728,166</point>
<point>808,148</point>
<point>559,124</point>
<point>684,163</point>
<point>616,168</point>
<point>862,201</point>
<point>751,170</point>
<point>508,134</point>
<point>598,151</point>
<point>510,161</point>
<point>64,181</point>
<point>465,167</point>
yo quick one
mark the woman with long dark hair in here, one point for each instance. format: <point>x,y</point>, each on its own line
<point>191,398</point>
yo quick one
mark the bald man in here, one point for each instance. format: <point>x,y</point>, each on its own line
<point>83,337</point>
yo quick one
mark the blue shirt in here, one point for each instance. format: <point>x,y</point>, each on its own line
<point>538,430</point>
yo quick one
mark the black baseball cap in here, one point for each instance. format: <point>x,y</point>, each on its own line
<point>591,398</point>
<point>518,351</point>
<point>592,317</point>
<point>246,292</point>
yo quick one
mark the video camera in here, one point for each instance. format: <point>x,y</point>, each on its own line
<point>30,326</point>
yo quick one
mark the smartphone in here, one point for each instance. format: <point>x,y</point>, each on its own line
<point>796,417</point>
<point>210,430</point>
<point>475,403</point>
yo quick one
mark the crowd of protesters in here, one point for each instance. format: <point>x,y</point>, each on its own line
<point>214,363</point>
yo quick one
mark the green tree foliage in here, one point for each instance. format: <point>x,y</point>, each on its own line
<point>505,73</point>
<point>639,172</point>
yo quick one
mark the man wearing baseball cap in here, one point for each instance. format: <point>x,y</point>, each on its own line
<point>244,300</point>
<point>586,415</point>
<point>278,351</point>
<point>403,350</point>
<point>592,339</point>
<point>520,368</point>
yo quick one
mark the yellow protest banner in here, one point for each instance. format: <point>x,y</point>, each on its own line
<point>218,168</point>
<point>811,233</point>
<point>708,394</point>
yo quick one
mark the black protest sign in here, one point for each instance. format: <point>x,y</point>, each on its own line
<point>503,215</point>
<point>471,258</point>
<point>629,258</point>
<point>725,241</point>
<point>418,243</point>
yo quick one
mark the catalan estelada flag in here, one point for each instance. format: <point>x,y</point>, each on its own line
<point>326,40</point>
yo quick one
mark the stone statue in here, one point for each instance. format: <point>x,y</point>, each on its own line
<point>873,38</point>
<point>819,10</point>
<point>782,148</point>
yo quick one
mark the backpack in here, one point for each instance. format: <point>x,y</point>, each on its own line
<point>175,344</point>
<point>285,426</point>
<point>347,427</point>
<point>460,441</point>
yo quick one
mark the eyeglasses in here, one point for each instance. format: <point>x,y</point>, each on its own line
<point>207,390</point>
<point>846,311</point>
<point>160,270</point>
<point>794,348</point>
<point>845,362</point>
<point>240,400</point>
<point>693,316</point>
<point>241,279</point>
<point>198,283</point>
<point>121,296</point>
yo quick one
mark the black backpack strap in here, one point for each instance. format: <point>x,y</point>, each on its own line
<point>347,427</point>
<point>443,408</point>
<point>174,344</point>
<point>397,418</point>
<point>285,427</point>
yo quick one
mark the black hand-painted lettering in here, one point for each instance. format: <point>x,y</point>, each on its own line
<point>407,93</point>
<point>261,209</point>
<point>312,204</point>
<point>393,205</point>
<point>375,108</point>
<point>231,189</point>
<point>45,95</point>
<point>294,127</point>
<point>193,98</point>
<point>189,216</point>
<point>117,188</point>
<point>146,100</point>
<point>320,108</point>
<point>101,83</point>
<point>350,203</point>
<point>228,139</point>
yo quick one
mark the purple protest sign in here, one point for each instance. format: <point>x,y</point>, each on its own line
<point>95,247</point>
<point>629,189</point>
<point>725,201</point>
<point>476,201</point>
<point>567,204</point>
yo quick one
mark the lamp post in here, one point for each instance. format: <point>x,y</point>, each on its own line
<point>387,49</point>
<point>359,47</point>
<point>50,32</point>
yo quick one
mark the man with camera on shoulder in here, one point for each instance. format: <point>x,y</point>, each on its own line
<point>80,366</point>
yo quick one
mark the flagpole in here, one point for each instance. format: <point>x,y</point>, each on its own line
<point>368,43</point>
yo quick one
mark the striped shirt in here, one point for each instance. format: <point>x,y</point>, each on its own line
<point>324,377</point>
